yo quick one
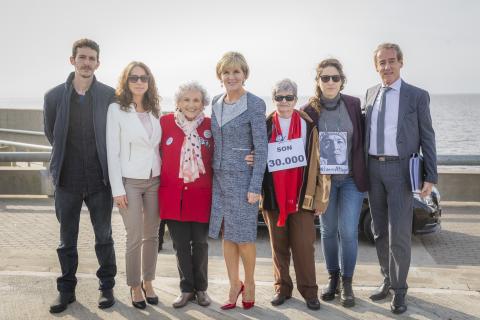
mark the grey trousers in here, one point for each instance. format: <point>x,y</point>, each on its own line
<point>391,204</point>
<point>141,220</point>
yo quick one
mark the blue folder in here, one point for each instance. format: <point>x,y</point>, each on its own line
<point>416,172</point>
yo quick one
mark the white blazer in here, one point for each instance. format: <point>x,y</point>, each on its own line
<point>130,152</point>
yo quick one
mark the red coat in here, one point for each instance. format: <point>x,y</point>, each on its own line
<point>178,200</point>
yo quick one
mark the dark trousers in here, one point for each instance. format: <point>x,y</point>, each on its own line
<point>298,236</point>
<point>191,248</point>
<point>161,232</point>
<point>391,204</point>
<point>67,207</point>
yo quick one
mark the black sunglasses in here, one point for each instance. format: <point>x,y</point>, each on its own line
<point>134,79</point>
<point>335,78</point>
<point>287,98</point>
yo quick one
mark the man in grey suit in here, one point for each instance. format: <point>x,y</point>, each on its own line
<point>398,123</point>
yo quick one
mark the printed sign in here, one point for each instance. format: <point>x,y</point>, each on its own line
<point>287,154</point>
<point>333,152</point>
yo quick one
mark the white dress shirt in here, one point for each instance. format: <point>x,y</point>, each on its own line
<point>391,121</point>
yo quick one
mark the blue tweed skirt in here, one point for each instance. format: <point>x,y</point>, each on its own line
<point>230,206</point>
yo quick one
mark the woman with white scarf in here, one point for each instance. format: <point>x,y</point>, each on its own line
<point>185,191</point>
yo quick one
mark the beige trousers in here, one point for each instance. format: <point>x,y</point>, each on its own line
<point>141,219</point>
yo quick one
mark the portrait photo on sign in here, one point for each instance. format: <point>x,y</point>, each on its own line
<point>333,152</point>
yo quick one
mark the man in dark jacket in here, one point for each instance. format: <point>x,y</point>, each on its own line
<point>75,124</point>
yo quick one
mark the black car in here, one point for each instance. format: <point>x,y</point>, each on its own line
<point>426,216</point>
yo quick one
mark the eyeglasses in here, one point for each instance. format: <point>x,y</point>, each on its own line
<point>335,78</point>
<point>134,79</point>
<point>288,98</point>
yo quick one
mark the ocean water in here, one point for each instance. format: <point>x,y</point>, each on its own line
<point>456,119</point>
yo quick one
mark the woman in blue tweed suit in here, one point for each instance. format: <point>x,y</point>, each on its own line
<point>238,128</point>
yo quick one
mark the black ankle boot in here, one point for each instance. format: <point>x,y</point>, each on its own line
<point>328,293</point>
<point>346,297</point>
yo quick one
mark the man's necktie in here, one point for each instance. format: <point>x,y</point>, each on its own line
<point>381,121</point>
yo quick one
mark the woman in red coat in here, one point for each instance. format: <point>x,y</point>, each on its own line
<point>185,190</point>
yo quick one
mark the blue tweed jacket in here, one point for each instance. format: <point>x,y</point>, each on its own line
<point>238,137</point>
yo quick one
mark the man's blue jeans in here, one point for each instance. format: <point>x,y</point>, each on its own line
<point>67,207</point>
<point>339,227</point>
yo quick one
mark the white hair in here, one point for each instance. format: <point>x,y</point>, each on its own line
<point>284,85</point>
<point>192,86</point>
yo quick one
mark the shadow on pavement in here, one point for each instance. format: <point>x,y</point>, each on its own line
<point>453,248</point>
<point>420,306</point>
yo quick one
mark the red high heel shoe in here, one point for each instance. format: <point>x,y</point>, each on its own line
<point>247,304</point>
<point>229,306</point>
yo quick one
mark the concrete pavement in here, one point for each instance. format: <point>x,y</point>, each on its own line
<point>444,279</point>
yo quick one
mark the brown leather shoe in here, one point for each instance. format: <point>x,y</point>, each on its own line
<point>203,299</point>
<point>183,299</point>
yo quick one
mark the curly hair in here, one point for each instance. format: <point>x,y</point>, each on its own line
<point>315,100</point>
<point>124,97</point>
<point>192,86</point>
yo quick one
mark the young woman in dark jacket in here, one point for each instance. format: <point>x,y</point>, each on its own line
<point>340,124</point>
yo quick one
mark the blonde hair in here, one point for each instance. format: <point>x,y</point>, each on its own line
<point>232,59</point>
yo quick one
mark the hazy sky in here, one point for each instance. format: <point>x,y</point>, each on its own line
<point>183,40</point>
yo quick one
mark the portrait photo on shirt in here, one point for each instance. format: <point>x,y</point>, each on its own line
<point>333,152</point>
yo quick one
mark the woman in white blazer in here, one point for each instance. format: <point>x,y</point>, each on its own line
<point>133,137</point>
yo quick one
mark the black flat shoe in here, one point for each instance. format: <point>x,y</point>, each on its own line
<point>137,304</point>
<point>313,304</point>
<point>106,299</point>
<point>150,300</point>
<point>347,298</point>
<point>278,299</point>
<point>381,292</point>
<point>62,301</point>
<point>332,288</point>
<point>398,304</point>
